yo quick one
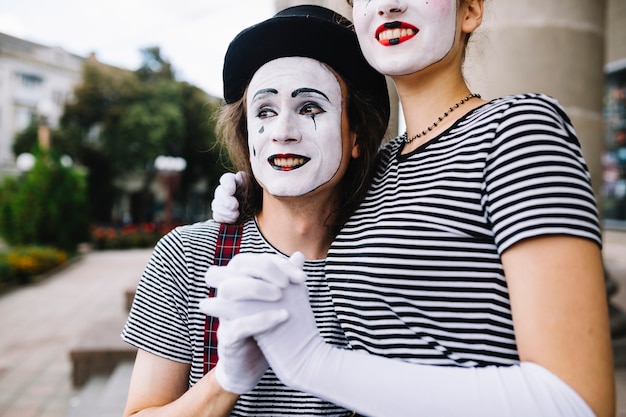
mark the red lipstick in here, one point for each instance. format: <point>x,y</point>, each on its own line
<point>394,33</point>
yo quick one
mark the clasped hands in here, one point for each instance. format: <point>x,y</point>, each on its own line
<point>265,319</point>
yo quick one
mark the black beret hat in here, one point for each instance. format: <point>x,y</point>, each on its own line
<point>306,31</point>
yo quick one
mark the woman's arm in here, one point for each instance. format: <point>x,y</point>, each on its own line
<point>560,314</point>
<point>377,386</point>
<point>158,387</point>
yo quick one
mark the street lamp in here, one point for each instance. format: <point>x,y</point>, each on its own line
<point>169,169</point>
<point>66,161</point>
<point>25,162</point>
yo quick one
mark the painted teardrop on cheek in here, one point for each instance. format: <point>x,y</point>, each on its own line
<point>262,129</point>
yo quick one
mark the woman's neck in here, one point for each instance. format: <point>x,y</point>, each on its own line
<point>428,95</point>
<point>297,224</point>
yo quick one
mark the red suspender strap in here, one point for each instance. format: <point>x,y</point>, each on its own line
<point>227,246</point>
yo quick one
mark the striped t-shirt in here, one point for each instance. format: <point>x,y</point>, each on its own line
<point>416,273</point>
<point>165,319</point>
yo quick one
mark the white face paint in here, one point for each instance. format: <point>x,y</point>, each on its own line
<point>401,37</point>
<point>294,114</point>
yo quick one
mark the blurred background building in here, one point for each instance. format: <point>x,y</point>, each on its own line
<point>38,81</point>
<point>35,80</point>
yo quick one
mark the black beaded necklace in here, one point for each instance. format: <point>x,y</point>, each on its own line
<point>406,139</point>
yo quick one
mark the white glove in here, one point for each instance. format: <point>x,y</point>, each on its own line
<point>225,206</point>
<point>383,387</point>
<point>241,363</point>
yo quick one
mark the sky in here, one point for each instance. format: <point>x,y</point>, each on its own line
<point>192,34</point>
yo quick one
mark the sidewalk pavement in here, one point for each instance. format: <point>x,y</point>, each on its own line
<point>39,323</point>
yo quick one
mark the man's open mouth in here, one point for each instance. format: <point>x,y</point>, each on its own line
<point>393,33</point>
<point>287,162</point>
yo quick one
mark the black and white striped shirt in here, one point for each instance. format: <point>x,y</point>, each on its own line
<point>165,319</point>
<point>416,273</point>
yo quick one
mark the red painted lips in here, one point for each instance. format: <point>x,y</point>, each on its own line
<point>394,33</point>
<point>287,162</point>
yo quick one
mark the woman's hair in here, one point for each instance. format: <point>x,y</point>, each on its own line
<point>364,119</point>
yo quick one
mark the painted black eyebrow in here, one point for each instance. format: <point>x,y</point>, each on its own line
<point>265,91</point>
<point>308,90</point>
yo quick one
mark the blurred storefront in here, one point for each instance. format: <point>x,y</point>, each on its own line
<point>614,161</point>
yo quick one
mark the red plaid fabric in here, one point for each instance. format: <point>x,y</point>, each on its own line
<point>227,246</point>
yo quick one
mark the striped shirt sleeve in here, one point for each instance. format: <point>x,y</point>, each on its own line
<point>158,321</point>
<point>536,179</point>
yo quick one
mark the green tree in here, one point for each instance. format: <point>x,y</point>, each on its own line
<point>120,121</point>
<point>147,128</point>
<point>98,102</point>
<point>46,206</point>
<point>205,160</point>
<point>154,66</point>
<point>26,140</point>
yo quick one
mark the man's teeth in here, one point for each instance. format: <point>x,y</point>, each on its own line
<point>395,33</point>
<point>288,162</point>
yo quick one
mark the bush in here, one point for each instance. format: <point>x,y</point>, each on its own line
<point>19,265</point>
<point>45,207</point>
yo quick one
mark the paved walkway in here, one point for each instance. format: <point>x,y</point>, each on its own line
<point>39,323</point>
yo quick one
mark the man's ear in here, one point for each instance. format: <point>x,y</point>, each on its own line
<point>356,150</point>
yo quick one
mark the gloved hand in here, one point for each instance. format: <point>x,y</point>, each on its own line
<point>293,348</point>
<point>225,206</point>
<point>241,364</point>
<point>258,293</point>
<point>377,386</point>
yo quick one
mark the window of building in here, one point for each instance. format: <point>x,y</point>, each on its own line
<point>29,80</point>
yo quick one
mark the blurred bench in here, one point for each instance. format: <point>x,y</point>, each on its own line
<point>98,350</point>
<point>102,366</point>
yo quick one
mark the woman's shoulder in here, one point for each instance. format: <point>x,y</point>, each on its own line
<point>528,102</point>
<point>525,99</point>
<point>532,109</point>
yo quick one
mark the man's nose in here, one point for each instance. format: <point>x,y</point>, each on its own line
<point>285,129</point>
